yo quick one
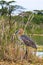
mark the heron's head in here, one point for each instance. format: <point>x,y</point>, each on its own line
<point>19,32</point>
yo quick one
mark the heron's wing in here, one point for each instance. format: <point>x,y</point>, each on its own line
<point>28,41</point>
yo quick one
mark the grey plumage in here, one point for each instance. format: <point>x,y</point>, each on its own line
<point>27,41</point>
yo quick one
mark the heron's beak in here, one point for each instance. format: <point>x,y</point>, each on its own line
<point>17,32</point>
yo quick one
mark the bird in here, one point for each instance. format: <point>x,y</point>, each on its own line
<point>25,39</point>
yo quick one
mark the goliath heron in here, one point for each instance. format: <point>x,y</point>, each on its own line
<point>25,39</point>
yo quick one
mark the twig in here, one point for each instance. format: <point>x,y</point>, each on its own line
<point>32,15</point>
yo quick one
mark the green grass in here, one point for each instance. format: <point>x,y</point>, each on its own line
<point>38,39</point>
<point>34,28</point>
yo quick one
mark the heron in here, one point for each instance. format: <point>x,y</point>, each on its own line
<point>25,39</point>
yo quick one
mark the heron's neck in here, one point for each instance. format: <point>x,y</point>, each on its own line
<point>18,36</point>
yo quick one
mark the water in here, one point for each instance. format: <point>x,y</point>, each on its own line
<point>40,54</point>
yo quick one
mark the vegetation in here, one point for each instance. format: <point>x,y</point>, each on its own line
<point>38,18</point>
<point>32,24</point>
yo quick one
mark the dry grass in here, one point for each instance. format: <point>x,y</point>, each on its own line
<point>13,54</point>
<point>24,62</point>
<point>40,48</point>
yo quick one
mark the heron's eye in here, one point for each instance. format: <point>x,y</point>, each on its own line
<point>16,32</point>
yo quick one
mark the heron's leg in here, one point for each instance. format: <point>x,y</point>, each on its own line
<point>26,53</point>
